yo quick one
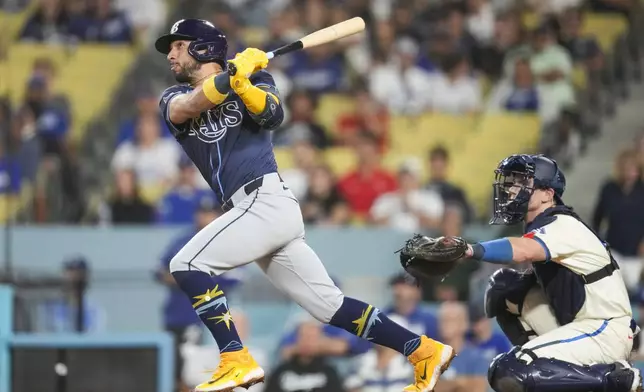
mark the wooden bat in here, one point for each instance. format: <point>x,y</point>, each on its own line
<point>322,36</point>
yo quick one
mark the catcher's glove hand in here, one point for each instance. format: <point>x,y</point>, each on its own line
<point>423,256</point>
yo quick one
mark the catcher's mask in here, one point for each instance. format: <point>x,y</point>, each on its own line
<point>516,178</point>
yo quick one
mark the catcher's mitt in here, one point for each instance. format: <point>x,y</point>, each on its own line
<point>423,256</point>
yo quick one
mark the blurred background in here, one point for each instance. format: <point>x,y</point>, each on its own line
<point>388,133</point>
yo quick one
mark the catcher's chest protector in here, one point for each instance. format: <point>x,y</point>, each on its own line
<point>564,288</point>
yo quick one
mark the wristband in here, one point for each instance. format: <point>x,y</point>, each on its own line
<point>216,88</point>
<point>496,251</point>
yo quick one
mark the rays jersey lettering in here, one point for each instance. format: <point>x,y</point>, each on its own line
<point>226,143</point>
<point>211,126</point>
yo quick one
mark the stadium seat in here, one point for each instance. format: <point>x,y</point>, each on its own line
<point>330,108</point>
<point>498,136</point>
<point>284,158</point>
<point>417,135</point>
<point>153,193</point>
<point>580,78</point>
<point>91,93</point>
<point>341,160</point>
<point>606,28</point>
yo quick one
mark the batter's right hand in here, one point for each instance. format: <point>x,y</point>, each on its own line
<point>250,61</point>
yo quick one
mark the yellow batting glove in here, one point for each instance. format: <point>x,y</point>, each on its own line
<point>248,62</point>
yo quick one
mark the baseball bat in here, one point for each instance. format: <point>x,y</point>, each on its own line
<point>322,36</point>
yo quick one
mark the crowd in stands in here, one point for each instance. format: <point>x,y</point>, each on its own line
<point>418,57</point>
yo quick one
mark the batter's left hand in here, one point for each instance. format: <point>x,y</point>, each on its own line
<point>247,62</point>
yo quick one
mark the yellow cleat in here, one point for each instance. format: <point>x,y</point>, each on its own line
<point>430,360</point>
<point>236,369</point>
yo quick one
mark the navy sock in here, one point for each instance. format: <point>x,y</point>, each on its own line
<point>367,322</point>
<point>212,307</point>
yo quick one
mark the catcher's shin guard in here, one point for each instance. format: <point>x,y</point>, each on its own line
<point>507,373</point>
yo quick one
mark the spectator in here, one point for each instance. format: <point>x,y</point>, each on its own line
<point>407,305</point>
<point>44,67</point>
<point>453,90</point>
<point>103,23</point>
<point>565,146</point>
<point>552,67</point>
<point>410,208</point>
<point>335,342</point>
<point>323,205</point>
<point>307,369</point>
<point>583,49</point>
<point>10,173</point>
<point>483,335</point>
<point>318,70</point>
<point>361,187</point>
<point>454,24</point>
<point>153,159</point>
<point>480,20</point>
<point>381,370</point>
<point>496,59</point>
<point>468,371</point>
<point>147,105</point>
<point>302,124</point>
<point>146,16</point>
<point>180,204</point>
<point>52,121</point>
<point>400,85</point>
<point>227,21</point>
<point>518,94</point>
<point>64,315</point>
<point>369,116</point>
<point>25,143</point>
<point>126,205</point>
<point>452,195</point>
<point>305,157</point>
<point>620,207</point>
<point>49,24</point>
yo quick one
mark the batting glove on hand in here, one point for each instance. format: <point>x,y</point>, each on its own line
<point>246,63</point>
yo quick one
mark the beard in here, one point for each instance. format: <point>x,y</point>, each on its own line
<point>187,72</point>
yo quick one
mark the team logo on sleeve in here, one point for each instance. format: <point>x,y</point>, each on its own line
<point>213,124</point>
<point>540,230</point>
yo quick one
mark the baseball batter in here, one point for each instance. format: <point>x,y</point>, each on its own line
<point>569,315</point>
<point>223,123</point>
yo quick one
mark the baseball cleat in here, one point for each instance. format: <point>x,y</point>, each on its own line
<point>430,360</point>
<point>236,369</point>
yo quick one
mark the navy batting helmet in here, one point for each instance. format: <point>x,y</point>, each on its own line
<point>515,173</point>
<point>204,36</point>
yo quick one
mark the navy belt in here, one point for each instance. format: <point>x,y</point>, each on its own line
<point>248,189</point>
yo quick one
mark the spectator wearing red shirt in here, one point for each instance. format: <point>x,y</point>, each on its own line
<point>361,187</point>
<point>369,116</point>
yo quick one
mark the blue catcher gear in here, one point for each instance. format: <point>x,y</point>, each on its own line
<point>507,373</point>
<point>204,36</point>
<point>513,186</point>
<point>508,286</point>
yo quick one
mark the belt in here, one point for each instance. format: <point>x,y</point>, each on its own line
<point>248,188</point>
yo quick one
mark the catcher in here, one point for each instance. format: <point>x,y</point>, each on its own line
<point>569,315</point>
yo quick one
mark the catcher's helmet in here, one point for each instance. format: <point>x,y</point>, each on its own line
<point>518,170</point>
<point>204,36</point>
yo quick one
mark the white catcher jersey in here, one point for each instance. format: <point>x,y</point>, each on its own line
<point>571,244</point>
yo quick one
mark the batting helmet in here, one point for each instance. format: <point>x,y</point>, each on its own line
<point>518,170</point>
<point>204,36</point>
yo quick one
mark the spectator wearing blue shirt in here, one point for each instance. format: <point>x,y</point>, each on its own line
<point>61,315</point>
<point>518,94</point>
<point>179,318</point>
<point>49,24</point>
<point>178,207</point>
<point>52,120</point>
<point>318,70</point>
<point>103,24</point>
<point>484,336</point>
<point>406,303</point>
<point>468,371</point>
<point>336,342</point>
<point>147,104</point>
<point>10,175</point>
